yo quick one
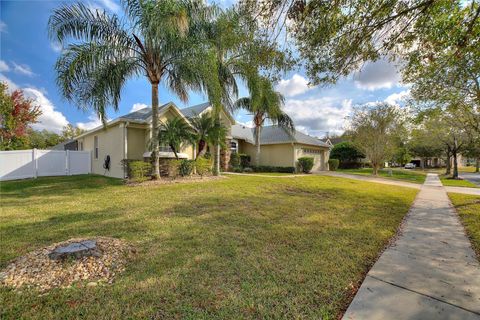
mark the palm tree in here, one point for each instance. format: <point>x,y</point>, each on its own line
<point>161,40</point>
<point>175,133</point>
<point>265,104</point>
<point>208,131</point>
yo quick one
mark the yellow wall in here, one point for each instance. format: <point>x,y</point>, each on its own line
<point>110,142</point>
<point>278,155</point>
<point>137,144</point>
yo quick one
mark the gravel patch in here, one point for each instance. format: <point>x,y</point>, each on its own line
<point>37,270</point>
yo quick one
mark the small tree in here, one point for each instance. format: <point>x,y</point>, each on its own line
<point>70,132</point>
<point>374,130</point>
<point>16,114</point>
<point>346,153</point>
<point>174,133</point>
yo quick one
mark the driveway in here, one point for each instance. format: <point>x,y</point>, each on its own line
<point>430,272</point>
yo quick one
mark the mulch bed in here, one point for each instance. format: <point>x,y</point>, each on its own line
<point>37,270</point>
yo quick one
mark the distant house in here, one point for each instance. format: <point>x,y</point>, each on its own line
<point>279,148</point>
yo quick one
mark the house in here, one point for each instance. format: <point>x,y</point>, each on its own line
<point>127,137</point>
<point>279,148</point>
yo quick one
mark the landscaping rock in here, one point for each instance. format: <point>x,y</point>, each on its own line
<point>75,250</point>
<point>95,261</point>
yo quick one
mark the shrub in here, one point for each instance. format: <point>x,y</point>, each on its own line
<point>173,167</point>
<point>273,169</point>
<point>333,164</point>
<point>235,160</point>
<point>244,160</point>
<point>186,167</point>
<point>248,170</point>
<point>139,170</point>
<point>203,166</point>
<point>238,169</point>
<point>347,154</point>
<point>305,164</point>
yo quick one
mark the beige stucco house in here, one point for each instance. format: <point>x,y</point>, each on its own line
<point>128,136</point>
<point>279,148</point>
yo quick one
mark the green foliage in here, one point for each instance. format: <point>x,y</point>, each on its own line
<point>305,164</point>
<point>271,169</point>
<point>347,154</point>
<point>174,133</point>
<point>139,170</point>
<point>203,166</point>
<point>402,156</point>
<point>42,139</point>
<point>244,160</point>
<point>235,160</point>
<point>186,167</point>
<point>70,132</point>
<point>333,164</point>
<point>173,168</point>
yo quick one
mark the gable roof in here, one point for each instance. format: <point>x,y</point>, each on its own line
<point>193,111</point>
<point>274,135</point>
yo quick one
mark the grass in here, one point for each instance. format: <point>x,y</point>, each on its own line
<point>468,208</point>
<point>447,181</point>
<point>277,174</point>
<point>238,247</point>
<point>397,174</point>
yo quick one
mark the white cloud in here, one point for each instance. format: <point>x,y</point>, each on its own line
<point>11,85</point>
<point>93,122</point>
<point>138,106</point>
<point>294,86</point>
<point>377,75</point>
<point>3,26</point>
<point>56,46</point>
<point>4,66</point>
<point>50,119</point>
<point>22,69</point>
<point>319,116</point>
<point>398,97</point>
<point>110,5</point>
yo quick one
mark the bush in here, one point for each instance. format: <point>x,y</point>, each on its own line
<point>203,166</point>
<point>350,165</point>
<point>235,160</point>
<point>248,170</point>
<point>238,169</point>
<point>272,169</point>
<point>173,167</point>
<point>333,164</point>
<point>244,160</point>
<point>139,170</point>
<point>347,154</point>
<point>186,167</point>
<point>305,164</point>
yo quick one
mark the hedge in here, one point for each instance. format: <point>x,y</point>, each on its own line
<point>333,164</point>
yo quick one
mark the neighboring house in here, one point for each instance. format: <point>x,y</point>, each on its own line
<point>333,141</point>
<point>128,136</point>
<point>279,148</point>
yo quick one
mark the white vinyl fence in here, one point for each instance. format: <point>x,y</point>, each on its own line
<point>21,164</point>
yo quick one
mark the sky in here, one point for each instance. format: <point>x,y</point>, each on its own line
<point>27,59</point>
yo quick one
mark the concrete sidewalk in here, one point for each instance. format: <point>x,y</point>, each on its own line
<point>472,191</point>
<point>429,273</point>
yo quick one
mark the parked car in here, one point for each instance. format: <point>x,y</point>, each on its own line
<point>410,166</point>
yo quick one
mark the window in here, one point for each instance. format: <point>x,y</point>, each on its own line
<point>95,146</point>
<point>312,151</point>
<point>233,147</point>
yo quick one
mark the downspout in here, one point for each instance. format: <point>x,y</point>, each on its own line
<point>125,148</point>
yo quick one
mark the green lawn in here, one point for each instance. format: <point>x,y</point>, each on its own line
<point>397,174</point>
<point>446,181</point>
<point>239,247</point>
<point>468,208</point>
<point>276,174</point>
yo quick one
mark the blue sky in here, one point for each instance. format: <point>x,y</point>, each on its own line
<point>27,59</point>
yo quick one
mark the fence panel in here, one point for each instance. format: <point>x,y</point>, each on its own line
<point>79,162</point>
<point>51,163</point>
<point>17,164</point>
<point>21,164</point>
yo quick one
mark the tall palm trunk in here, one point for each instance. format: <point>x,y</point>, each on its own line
<point>156,148</point>
<point>257,144</point>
